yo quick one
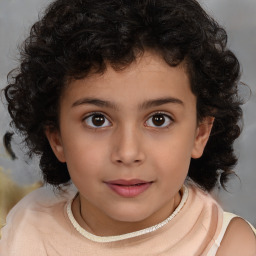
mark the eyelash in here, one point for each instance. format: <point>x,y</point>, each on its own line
<point>104,116</point>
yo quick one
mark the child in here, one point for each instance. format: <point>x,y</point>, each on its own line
<point>135,102</point>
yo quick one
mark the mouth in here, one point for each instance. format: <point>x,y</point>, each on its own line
<point>129,188</point>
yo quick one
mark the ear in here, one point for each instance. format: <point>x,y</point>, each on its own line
<point>202,135</point>
<point>54,138</point>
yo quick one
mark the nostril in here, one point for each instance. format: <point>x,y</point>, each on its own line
<point>135,161</point>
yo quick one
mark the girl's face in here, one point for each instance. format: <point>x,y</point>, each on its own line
<point>127,138</point>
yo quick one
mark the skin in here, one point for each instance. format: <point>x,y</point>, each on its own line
<point>129,145</point>
<point>239,240</point>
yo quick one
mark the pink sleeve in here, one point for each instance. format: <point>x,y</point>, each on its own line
<point>21,236</point>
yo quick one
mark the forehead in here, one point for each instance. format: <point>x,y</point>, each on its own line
<point>149,76</point>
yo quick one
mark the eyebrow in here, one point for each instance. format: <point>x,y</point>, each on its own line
<point>145,105</point>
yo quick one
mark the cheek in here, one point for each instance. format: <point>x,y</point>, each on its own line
<point>172,162</point>
<point>175,149</point>
<point>85,169</point>
<point>174,155</point>
<point>84,158</point>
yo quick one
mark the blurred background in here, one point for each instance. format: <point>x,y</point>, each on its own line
<point>238,18</point>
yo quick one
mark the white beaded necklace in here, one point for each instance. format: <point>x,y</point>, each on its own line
<point>106,239</point>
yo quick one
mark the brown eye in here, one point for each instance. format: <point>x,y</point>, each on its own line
<point>97,121</point>
<point>159,120</point>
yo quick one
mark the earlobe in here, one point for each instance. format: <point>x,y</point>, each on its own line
<point>55,142</point>
<point>202,136</point>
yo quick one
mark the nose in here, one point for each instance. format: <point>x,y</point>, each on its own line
<point>128,147</point>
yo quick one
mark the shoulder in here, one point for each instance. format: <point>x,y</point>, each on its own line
<point>202,202</point>
<point>44,197</point>
<point>239,239</point>
<point>39,202</point>
<point>35,216</point>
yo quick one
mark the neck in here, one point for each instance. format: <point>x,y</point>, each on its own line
<point>94,221</point>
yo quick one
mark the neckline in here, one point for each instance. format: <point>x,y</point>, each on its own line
<point>107,239</point>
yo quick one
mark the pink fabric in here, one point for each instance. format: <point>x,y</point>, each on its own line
<point>39,225</point>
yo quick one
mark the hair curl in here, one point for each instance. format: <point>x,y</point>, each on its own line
<point>75,37</point>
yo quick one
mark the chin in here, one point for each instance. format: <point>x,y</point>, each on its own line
<point>130,216</point>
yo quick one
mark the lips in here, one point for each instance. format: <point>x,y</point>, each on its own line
<point>129,188</point>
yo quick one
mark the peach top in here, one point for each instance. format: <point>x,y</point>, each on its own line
<point>40,224</point>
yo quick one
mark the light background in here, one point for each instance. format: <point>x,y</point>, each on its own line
<point>239,19</point>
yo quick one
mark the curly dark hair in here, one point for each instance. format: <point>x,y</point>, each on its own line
<point>75,37</point>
